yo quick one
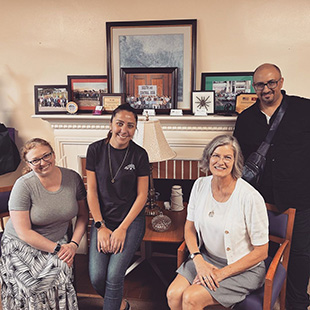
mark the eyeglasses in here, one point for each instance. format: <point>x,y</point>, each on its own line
<point>270,84</point>
<point>37,161</point>
<point>226,159</point>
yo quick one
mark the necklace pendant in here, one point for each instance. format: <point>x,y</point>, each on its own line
<point>211,213</point>
<point>112,181</point>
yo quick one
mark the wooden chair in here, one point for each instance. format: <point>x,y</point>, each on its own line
<point>280,236</point>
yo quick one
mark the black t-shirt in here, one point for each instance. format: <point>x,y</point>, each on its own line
<point>286,176</point>
<point>116,198</point>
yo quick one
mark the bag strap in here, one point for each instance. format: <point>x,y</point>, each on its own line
<point>264,147</point>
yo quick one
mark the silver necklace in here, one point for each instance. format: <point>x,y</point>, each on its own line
<point>110,164</point>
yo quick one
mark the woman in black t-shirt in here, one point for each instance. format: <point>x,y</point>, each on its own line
<point>117,185</point>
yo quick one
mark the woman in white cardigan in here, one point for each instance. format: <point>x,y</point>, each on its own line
<point>226,233</point>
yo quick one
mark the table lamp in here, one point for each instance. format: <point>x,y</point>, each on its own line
<point>150,136</point>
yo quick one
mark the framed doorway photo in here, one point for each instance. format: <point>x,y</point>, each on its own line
<point>150,88</point>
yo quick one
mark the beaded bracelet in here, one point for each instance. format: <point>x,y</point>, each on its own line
<point>74,243</point>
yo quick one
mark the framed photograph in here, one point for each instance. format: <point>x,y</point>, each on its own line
<point>157,43</point>
<point>227,85</point>
<point>50,99</point>
<point>150,88</point>
<point>203,102</point>
<point>244,101</point>
<point>85,90</point>
<point>110,102</point>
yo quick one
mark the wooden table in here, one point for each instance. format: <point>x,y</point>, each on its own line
<point>175,234</point>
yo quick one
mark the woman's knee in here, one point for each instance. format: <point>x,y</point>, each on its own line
<point>196,297</point>
<point>174,295</point>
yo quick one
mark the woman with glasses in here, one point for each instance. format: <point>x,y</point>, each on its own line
<point>37,254</point>
<point>226,233</point>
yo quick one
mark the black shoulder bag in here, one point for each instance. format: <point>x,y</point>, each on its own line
<point>9,155</point>
<point>254,166</point>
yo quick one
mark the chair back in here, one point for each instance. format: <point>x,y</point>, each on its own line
<point>280,236</point>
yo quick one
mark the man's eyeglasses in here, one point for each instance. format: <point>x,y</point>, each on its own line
<point>270,84</point>
<point>37,161</point>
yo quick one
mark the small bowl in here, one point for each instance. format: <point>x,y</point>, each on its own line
<point>161,223</point>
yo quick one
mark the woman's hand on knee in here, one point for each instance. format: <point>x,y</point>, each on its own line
<point>103,240</point>
<point>117,240</point>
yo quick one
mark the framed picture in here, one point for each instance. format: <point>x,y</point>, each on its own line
<point>227,85</point>
<point>157,43</point>
<point>85,90</point>
<point>244,101</point>
<point>50,99</point>
<point>110,102</point>
<point>150,88</point>
<point>203,102</point>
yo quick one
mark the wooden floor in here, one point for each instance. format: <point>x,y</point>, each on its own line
<point>141,285</point>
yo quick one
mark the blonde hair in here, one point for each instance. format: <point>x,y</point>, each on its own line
<point>29,145</point>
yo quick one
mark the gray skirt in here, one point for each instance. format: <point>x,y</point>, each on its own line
<point>233,289</point>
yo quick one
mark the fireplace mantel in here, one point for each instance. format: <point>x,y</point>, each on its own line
<point>187,135</point>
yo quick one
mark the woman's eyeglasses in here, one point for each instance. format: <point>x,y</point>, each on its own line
<point>37,161</point>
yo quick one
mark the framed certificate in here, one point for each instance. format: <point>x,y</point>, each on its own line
<point>244,101</point>
<point>110,102</point>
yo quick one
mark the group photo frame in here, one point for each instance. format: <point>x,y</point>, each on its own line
<point>50,99</point>
<point>227,85</point>
<point>150,88</point>
<point>157,43</point>
<point>85,90</point>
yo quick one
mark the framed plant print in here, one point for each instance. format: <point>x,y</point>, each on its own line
<point>85,90</point>
<point>150,88</point>
<point>50,99</point>
<point>203,102</point>
<point>227,85</point>
<point>110,102</point>
<point>154,43</point>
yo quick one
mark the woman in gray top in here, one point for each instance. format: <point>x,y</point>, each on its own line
<point>37,257</point>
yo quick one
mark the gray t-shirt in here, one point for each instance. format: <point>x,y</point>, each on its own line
<point>50,212</point>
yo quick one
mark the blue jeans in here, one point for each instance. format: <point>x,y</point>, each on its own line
<point>107,271</point>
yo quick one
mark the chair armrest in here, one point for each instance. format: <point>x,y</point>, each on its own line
<point>269,278</point>
<point>182,254</point>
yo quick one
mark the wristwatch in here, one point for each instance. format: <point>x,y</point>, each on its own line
<point>57,248</point>
<point>194,254</point>
<point>99,224</point>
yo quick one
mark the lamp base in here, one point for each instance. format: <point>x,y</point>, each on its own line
<point>152,209</point>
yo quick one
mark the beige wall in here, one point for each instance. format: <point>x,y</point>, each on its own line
<point>43,41</point>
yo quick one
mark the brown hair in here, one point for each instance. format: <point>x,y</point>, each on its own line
<point>29,145</point>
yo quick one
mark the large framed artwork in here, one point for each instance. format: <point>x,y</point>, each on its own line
<point>85,90</point>
<point>150,88</point>
<point>227,85</point>
<point>50,99</point>
<point>157,43</point>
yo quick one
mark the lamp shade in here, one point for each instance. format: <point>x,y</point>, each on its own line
<point>150,136</point>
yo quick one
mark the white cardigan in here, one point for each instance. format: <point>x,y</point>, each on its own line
<point>247,220</point>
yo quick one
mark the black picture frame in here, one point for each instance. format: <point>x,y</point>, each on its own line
<point>50,99</point>
<point>85,90</point>
<point>150,88</point>
<point>227,85</point>
<point>110,102</point>
<point>174,45</point>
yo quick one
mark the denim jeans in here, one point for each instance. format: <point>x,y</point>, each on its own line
<point>107,271</point>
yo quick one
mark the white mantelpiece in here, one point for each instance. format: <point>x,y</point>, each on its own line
<point>187,135</point>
